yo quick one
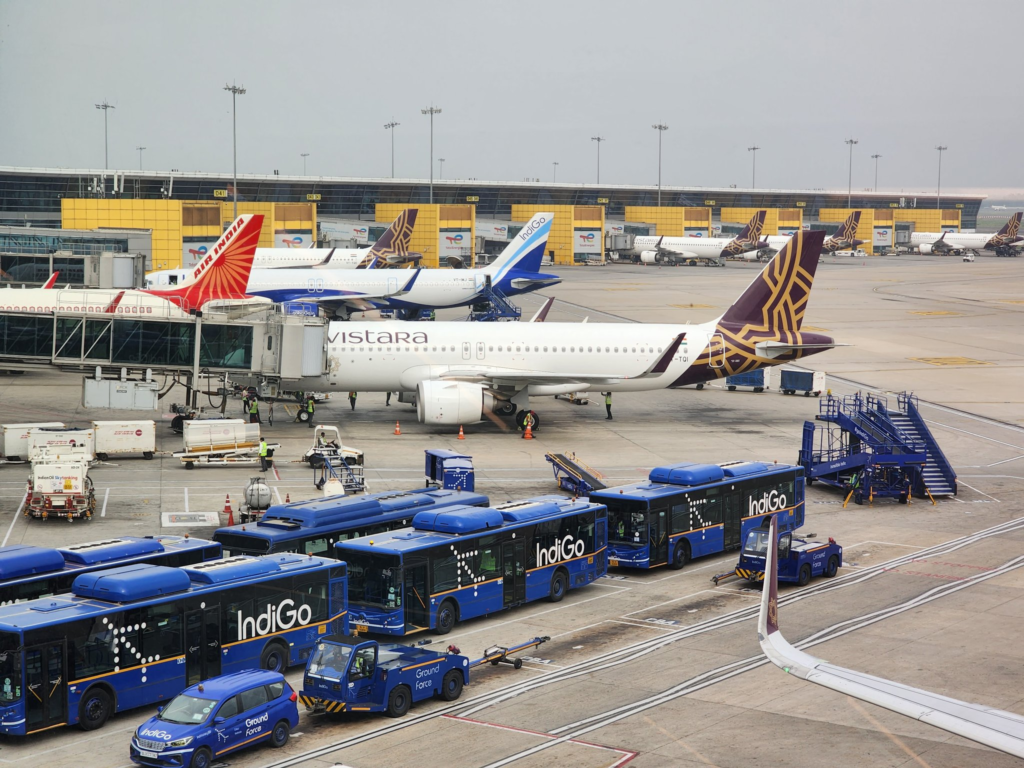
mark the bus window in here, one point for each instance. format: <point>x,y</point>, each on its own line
<point>320,547</point>
<point>446,573</point>
<point>713,506</point>
<point>681,520</point>
<point>374,580</point>
<point>627,522</point>
<point>161,634</point>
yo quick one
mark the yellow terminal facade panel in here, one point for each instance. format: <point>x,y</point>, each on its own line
<point>672,221</point>
<point>441,231</point>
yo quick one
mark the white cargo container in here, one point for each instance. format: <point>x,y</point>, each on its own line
<point>217,435</point>
<point>15,439</point>
<point>114,438</point>
<point>60,489</point>
<point>61,443</point>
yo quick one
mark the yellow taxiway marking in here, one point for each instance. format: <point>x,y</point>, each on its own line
<point>950,361</point>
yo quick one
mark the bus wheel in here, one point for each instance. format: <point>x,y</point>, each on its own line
<point>558,587</point>
<point>201,758</point>
<point>451,685</point>
<point>274,658</point>
<point>445,618</point>
<point>832,568</point>
<point>680,557</point>
<point>399,700</point>
<point>805,575</point>
<point>94,709</point>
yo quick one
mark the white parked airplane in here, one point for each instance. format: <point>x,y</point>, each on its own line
<point>1005,242</point>
<point>341,293</point>
<point>392,249</point>
<point>221,277</point>
<point>986,725</point>
<point>464,372</point>
<point>844,239</point>
<point>689,250</point>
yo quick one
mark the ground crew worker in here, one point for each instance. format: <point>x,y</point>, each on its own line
<point>245,402</point>
<point>310,409</point>
<point>264,465</point>
<point>387,400</point>
<point>433,315</point>
<point>352,400</point>
<point>608,405</point>
<point>254,410</point>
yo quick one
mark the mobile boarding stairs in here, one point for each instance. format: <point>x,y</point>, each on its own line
<point>860,444</point>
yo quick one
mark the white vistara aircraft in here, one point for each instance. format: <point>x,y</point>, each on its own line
<point>710,250</point>
<point>1005,242</point>
<point>986,725</point>
<point>462,373</point>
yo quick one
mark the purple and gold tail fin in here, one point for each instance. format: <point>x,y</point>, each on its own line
<point>393,246</point>
<point>777,298</point>
<point>749,237</point>
<point>1011,227</point>
<point>848,231</point>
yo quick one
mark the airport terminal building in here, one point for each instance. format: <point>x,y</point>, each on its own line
<point>186,212</point>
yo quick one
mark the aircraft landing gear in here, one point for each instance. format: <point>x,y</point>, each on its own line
<point>528,416</point>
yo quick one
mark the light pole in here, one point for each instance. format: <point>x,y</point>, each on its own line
<point>391,127</point>
<point>753,167</point>
<point>105,106</point>
<point>660,128</point>
<point>236,90</point>
<point>554,177</point>
<point>440,170</point>
<point>875,158</point>
<point>938,195</point>
<point>304,156</point>
<point>849,188</point>
<point>598,139</point>
<point>140,156</point>
<point>431,110</point>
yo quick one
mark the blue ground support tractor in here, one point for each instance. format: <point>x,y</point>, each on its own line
<point>351,674</point>
<point>799,560</point>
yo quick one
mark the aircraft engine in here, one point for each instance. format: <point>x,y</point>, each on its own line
<point>451,402</point>
<point>649,257</point>
<point>925,248</point>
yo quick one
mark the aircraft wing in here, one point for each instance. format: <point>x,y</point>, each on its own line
<point>354,301</point>
<point>992,727</point>
<point>678,252</point>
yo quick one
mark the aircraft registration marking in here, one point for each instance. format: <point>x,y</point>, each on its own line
<point>950,361</point>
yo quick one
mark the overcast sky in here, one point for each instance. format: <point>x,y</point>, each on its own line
<point>523,84</point>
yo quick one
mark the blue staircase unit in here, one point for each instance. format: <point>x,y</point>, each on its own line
<point>858,443</point>
<point>494,305</point>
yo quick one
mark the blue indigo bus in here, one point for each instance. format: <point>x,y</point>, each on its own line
<point>138,634</point>
<point>28,572</point>
<point>463,562</point>
<point>691,510</point>
<point>313,527</point>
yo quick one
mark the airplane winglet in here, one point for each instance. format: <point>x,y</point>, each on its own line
<point>408,286</point>
<point>768,617</point>
<point>51,280</point>
<point>661,365</point>
<point>542,313</point>
<point>327,258</point>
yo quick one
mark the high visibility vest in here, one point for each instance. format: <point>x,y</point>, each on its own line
<point>254,407</point>
<point>309,405</point>
<point>263,450</point>
<point>607,399</point>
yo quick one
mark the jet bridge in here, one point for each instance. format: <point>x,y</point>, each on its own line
<point>266,346</point>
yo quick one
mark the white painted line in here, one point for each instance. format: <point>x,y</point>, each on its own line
<point>16,516</point>
<point>1004,461</point>
<point>981,492</point>
<point>646,625</point>
<point>186,500</point>
<point>278,494</point>
<point>103,512</point>
<point>673,600</point>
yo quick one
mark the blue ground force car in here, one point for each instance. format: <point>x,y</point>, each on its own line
<point>216,717</point>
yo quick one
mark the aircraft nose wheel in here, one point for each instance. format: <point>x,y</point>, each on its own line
<point>523,416</point>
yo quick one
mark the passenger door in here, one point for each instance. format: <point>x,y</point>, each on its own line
<point>230,731</point>
<point>360,672</point>
<point>659,535</point>
<point>513,572</point>
<point>417,610</point>
<point>45,687</point>
<point>202,644</point>
<point>732,516</point>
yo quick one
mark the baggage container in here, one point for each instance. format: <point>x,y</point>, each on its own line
<point>14,445</point>
<point>61,442</point>
<point>217,435</point>
<point>114,438</point>
<point>808,382</point>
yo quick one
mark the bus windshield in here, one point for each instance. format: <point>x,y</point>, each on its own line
<point>627,521</point>
<point>374,580</point>
<point>757,543</point>
<point>10,667</point>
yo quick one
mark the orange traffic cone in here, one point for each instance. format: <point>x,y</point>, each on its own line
<point>398,429</point>
<point>528,434</point>
<point>287,498</point>
<point>462,435</point>
<point>227,509</point>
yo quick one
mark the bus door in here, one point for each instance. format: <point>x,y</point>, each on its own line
<point>416,598</point>
<point>202,644</point>
<point>732,517</point>
<point>601,545</point>
<point>45,686</point>
<point>659,535</point>
<point>513,572</point>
